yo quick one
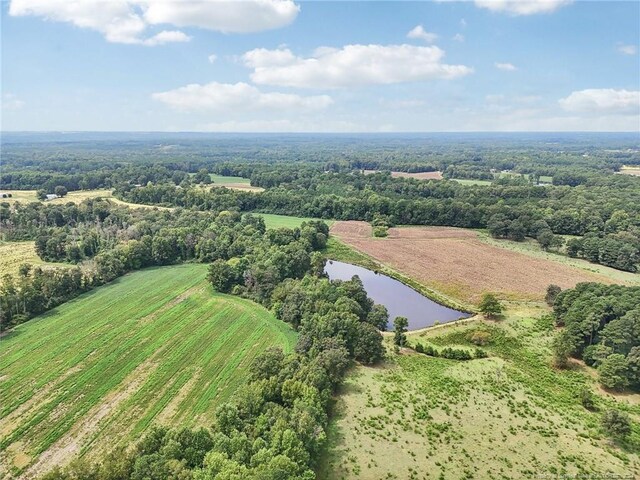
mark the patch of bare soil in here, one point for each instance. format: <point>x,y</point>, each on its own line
<point>419,176</point>
<point>457,263</point>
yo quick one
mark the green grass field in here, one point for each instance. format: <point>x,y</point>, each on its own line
<point>466,181</point>
<point>280,221</point>
<point>511,415</point>
<point>156,346</point>
<point>219,179</point>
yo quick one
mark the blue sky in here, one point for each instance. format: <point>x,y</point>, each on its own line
<point>279,65</point>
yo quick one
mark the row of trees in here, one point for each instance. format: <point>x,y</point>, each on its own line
<point>276,426</point>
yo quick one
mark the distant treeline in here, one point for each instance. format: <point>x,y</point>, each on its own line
<point>604,209</point>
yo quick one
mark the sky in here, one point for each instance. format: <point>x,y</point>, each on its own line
<point>322,66</point>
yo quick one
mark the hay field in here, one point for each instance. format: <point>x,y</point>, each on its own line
<point>418,176</point>
<point>14,254</point>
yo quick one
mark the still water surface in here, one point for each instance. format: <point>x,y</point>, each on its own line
<point>400,300</point>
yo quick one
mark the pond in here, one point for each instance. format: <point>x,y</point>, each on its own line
<point>400,300</point>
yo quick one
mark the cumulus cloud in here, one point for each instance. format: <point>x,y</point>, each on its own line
<point>212,58</point>
<point>234,97</point>
<point>127,21</point>
<point>351,65</point>
<point>506,67</point>
<point>627,49</point>
<point>418,32</point>
<point>458,37</point>
<point>522,7</point>
<point>603,100</point>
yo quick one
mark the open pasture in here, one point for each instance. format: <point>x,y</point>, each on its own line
<point>457,263</point>
<point>511,415</point>
<point>285,221</point>
<point>154,347</point>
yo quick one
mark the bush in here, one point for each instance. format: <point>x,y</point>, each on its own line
<point>587,399</point>
<point>419,348</point>
<point>380,232</point>
<point>479,337</point>
<point>616,423</point>
<point>552,293</point>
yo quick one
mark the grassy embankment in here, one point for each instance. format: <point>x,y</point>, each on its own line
<point>155,346</point>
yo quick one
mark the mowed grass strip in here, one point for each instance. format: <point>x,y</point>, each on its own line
<point>105,366</point>
<point>285,221</point>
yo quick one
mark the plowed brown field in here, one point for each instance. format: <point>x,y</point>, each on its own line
<point>457,263</point>
<point>419,176</point>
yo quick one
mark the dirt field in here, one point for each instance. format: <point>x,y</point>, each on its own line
<point>457,263</point>
<point>631,170</point>
<point>419,176</point>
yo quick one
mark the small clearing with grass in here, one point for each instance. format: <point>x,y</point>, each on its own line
<point>457,263</point>
<point>511,415</point>
<point>154,347</point>
<point>14,254</point>
<point>285,221</point>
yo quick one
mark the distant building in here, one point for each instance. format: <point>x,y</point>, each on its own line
<point>51,196</point>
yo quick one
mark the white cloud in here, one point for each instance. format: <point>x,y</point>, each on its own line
<point>212,58</point>
<point>506,67</point>
<point>522,7</point>
<point>418,32</point>
<point>236,97</point>
<point>11,101</point>
<point>458,37</point>
<point>351,65</point>
<point>229,16</point>
<point>463,23</point>
<point>602,100</point>
<point>627,49</point>
<point>166,36</point>
<point>127,21</point>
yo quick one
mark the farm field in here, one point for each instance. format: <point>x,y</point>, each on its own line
<point>510,415</point>
<point>631,170</point>
<point>532,248</point>
<point>458,264</point>
<point>467,181</point>
<point>235,183</point>
<point>13,254</point>
<point>280,221</point>
<point>29,196</point>
<point>418,176</point>
<point>154,347</point>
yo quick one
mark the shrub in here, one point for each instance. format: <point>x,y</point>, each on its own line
<point>587,399</point>
<point>616,423</point>
<point>479,337</point>
<point>380,232</point>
